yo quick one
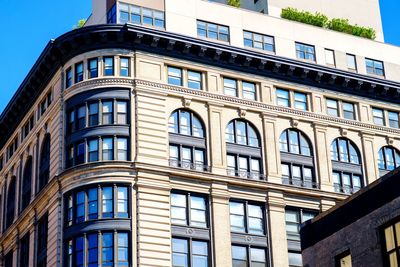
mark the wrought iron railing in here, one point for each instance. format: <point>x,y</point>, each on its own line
<point>188,165</point>
<point>246,174</point>
<point>300,183</point>
<point>346,189</point>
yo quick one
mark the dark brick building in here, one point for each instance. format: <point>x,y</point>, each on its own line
<point>362,231</point>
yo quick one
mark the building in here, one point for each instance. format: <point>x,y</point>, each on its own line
<point>165,133</point>
<point>363,230</point>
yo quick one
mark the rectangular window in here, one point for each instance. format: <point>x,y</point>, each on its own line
<point>79,251</point>
<point>212,31</point>
<point>282,98</point>
<point>374,67</point>
<point>194,80</point>
<point>300,101</point>
<point>107,205</point>
<point>330,57</point>
<point>122,202</point>
<point>304,51</point>
<point>377,114</point>
<point>122,111</point>
<point>80,153</point>
<point>80,207</point>
<point>249,90</point>
<point>185,251</point>
<point>93,68</point>
<point>123,250</point>
<point>41,256</point>
<point>248,256</point>
<point>123,13</point>
<point>230,87</point>
<point>246,218</point>
<point>78,72</point>
<point>93,114</point>
<point>259,41</point>
<point>351,62</point>
<point>187,209</point>
<point>124,67</point>
<point>92,244</point>
<point>70,156</point>
<point>239,256</point>
<point>294,218</point>
<point>348,111</point>
<point>68,78</point>
<point>175,76</point>
<point>108,66</point>
<point>81,117</point>
<point>344,260</point>
<point>332,107</point>
<point>107,250</point>
<point>92,204</point>
<point>122,147</point>
<point>24,251</point>
<point>393,119</point>
<point>108,149</point>
<point>8,259</point>
<point>107,112</point>
<point>93,150</point>
<point>391,246</point>
<point>71,121</point>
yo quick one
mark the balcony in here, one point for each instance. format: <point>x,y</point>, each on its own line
<point>247,175</point>
<point>300,183</point>
<point>345,189</point>
<point>182,164</point>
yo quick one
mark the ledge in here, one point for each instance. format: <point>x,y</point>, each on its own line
<point>133,37</point>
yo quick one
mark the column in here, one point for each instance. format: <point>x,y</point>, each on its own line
<point>153,220</point>
<point>221,225</point>
<point>217,140</point>
<point>369,158</point>
<point>322,157</point>
<point>271,148</point>
<point>278,240</point>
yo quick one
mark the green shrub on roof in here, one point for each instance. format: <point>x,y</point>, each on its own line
<point>320,20</point>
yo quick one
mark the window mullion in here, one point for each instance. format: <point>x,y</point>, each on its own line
<point>99,202</point>
<point>189,207</point>
<point>246,217</point>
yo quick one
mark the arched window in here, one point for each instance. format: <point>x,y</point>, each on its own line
<point>10,209</point>
<point>187,142</point>
<point>388,159</point>
<point>346,166</point>
<point>243,150</point>
<point>44,167</point>
<point>297,162</point>
<point>26,184</point>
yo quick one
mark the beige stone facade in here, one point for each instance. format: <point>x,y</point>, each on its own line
<point>102,123</point>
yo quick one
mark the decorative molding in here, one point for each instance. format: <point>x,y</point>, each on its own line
<point>242,112</point>
<point>267,107</point>
<point>294,122</point>
<point>343,132</point>
<point>389,140</point>
<point>186,101</point>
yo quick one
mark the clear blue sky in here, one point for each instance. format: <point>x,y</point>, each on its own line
<point>27,26</point>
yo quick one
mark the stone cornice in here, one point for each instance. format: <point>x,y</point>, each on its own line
<point>137,38</point>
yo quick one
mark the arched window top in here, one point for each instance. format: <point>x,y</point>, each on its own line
<point>388,158</point>
<point>11,202</point>
<point>26,183</point>
<point>44,167</point>
<point>185,122</point>
<point>344,150</point>
<point>295,142</point>
<point>242,133</point>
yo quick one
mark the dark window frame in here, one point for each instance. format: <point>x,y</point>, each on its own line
<point>246,204</point>
<point>302,52</point>
<point>264,42</point>
<point>218,33</point>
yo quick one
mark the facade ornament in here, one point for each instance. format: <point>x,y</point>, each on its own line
<point>389,140</point>
<point>343,132</point>
<point>186,102</point>
<point>294,123</point>
<point>242,112</point>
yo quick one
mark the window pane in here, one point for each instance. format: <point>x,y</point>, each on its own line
<point>194,80</point>
<point>257,257</point>
<point>122,205</point>
<point>230,133</point>
<point>332,108</point>
<point>185,122</point>
<point>122,146</point>
<point>107,195</point>
<point>200,254</point>
<point>108,149</point>
<point>241,136</point>
<point>294,142</point>
<point>351,62</point>
<point>230,87</point>
<point>239,254</point>
<point>174,76</point>
<point>282,97</point>
<point>237,216</point>
<point>295,259</point>
<point>300,101</point>
<point>249,90</point>
<point>179,252</point>
<point>107,250</point>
